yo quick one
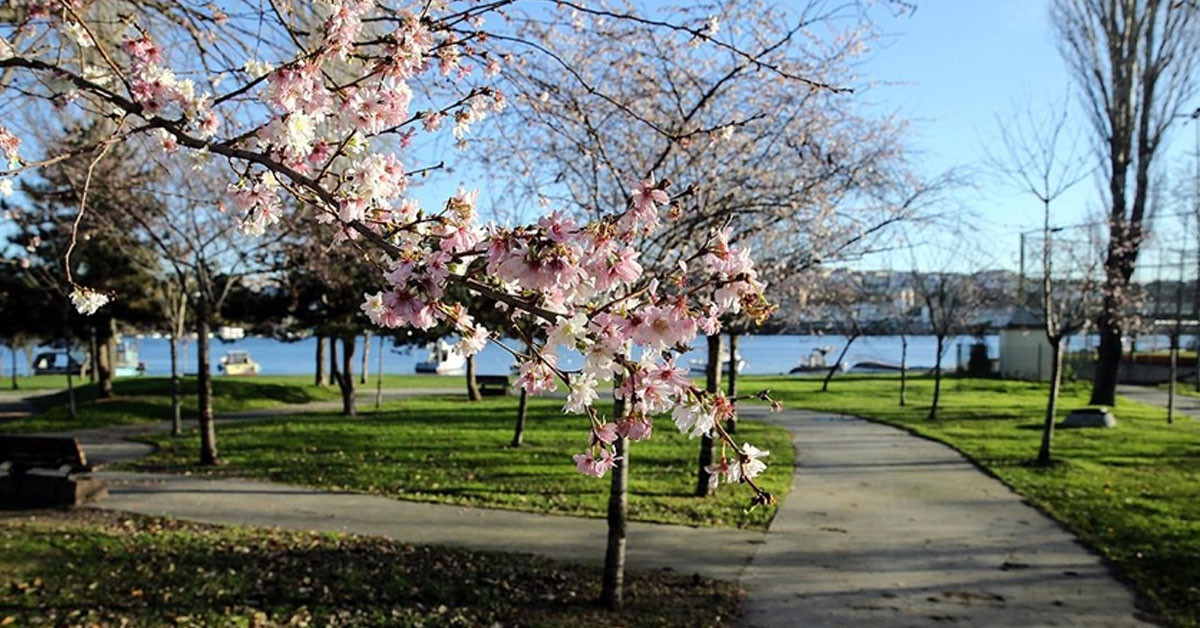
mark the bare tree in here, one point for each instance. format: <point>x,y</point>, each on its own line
<point>1042,160</point>
<point>1135,62</point>
<point>953,301</point>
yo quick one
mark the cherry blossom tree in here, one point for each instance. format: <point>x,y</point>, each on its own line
<point>320,105</point>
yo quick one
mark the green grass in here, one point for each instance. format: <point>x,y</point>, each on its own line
<point>85,568</point>
<point>1132,492</point>
<point>450,451</point>
<point>148,399</point>
<point>35,382</point>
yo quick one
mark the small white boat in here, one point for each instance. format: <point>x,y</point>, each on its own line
<point>815,363</point>
<point>699,366</point>
<point>239,363</point>
<point>229,334</point>
<point>442,360</point>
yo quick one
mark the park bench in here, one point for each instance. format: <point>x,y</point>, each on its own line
<point>492,385</point>
<point>45,471</point>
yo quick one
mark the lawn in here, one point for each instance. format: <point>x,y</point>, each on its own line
<point>148,399</point>
<point>444,449</point>
<point>85,568</point>
<point>1132,493</point>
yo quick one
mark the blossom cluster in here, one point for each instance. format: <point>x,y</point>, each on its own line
<point>334,144</point>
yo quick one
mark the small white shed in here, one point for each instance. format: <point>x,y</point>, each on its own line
<point>1024,350</point>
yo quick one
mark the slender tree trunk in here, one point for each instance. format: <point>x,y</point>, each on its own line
<point>903,370</point>
<point>109,351</point>
<point>208,432</point>
<point>1108,363</point>
<point>176,401</point>
<point>333,362</point>
<point>472,385</point>
<point>1056,360</point>
<point>320,378</point>
<point>618,503</point>
<point>937,378</point>
<point>71,410</point>
<point>837,363</point>
<point>13,351</point>
<point>519,431</point>
<point>522,407</point>
<point>93,354</point>
<point>731,389</point>
<point>713,386</point>
<point>346,377</point>
<point>379,375</point>
<point>362,377</point>
<point>1174,373</point>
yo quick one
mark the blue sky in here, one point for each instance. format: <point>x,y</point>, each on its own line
<point>952,67</point>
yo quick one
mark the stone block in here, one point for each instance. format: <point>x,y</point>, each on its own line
<point>1089,417</point>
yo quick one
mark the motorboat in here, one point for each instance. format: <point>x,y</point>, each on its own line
<point>816,363</point>
<point>442,359</point>
<point>239,363</point>
<point>699,366</point>
<point>128,364</point>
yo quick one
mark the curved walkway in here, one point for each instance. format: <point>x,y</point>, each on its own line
<point>881,529</point>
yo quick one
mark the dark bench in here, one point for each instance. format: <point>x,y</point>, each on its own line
<point>45,471</point>
<point>492,385</point>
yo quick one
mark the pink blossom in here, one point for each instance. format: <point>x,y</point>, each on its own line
<point>537,375</point>
<point>635,428</point>
<point>586,464</point>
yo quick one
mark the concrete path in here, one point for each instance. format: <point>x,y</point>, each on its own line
<point>886,529</point>
<point>15,404</point>
<point>716,553</point>
<point>1185,405</point>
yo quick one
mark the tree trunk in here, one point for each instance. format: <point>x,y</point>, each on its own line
<point>333,362</point>
<point>320,378</point>
<point>71,410</point>
<point>731,387</point>
<point>903,370</point>
<point>1056,358</point>
<point>93,354</point>
<point>519,431</point>
<point>837,363</point>
<point>104,338</point>
<point>379,375</point>
<point>937,378</point>
<point>346,377</point>
<point>176,401</point>
<point>1108,364</point>
<point>208,433</point>
<point>618,502</point>
<point>362,377</point>
<point>1174,361</point>
<point>472,385</point>
<point>13,351</point>
<point>712,375</point>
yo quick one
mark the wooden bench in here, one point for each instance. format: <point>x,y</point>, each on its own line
<point>492,385</point>
<point>45,471</point>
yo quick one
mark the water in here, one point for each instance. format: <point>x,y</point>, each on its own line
<point>764,355</point>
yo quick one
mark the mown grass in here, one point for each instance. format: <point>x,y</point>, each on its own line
<point>1132,492</point>
<point>148,399</point>
<point>92,568</point>
<point>444,449</point>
